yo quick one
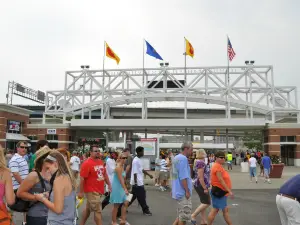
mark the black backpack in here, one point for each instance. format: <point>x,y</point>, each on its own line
<point>21,205</point>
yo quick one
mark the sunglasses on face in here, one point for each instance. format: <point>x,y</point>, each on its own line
<point>96,151</point>
<point>221,157</point>
<point>23,147</point>
<point>124,158</point>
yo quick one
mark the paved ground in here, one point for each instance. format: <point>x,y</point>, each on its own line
<point>249,207</point>
<point>253,203</point>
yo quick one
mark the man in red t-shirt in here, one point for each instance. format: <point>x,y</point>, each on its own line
<point>92,178</point>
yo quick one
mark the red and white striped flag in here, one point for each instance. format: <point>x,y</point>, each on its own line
<point>230,50</point>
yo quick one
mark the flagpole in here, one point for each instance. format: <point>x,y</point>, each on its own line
<point>103,80</point>
<point>228,82</point>
<point>185,61</point>
<point>144,63</point>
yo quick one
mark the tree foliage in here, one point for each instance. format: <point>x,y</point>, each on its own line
<point>253,140</point>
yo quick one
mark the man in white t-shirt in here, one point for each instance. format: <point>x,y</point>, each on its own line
<point>252,164</point>
<point>137,181</point>
<point>75,164</point>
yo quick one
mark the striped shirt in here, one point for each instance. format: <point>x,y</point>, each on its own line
<point>18,164</point>
<point>163,165</point>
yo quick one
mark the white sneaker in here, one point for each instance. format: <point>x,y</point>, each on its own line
<point>161,188</point>
<point>269,182</point>
<point>156,185</point>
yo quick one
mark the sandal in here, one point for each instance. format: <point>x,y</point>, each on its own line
<point>194,222</point>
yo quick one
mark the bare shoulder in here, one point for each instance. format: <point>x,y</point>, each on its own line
<point>61,180</point>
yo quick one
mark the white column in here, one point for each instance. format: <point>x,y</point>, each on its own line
<point>124,138</point>
<point>227,139</point>
<point>44,118</point>
<point>201,137</point>
<point>158,148</point>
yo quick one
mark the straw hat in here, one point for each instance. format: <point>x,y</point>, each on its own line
<point>42,152</point>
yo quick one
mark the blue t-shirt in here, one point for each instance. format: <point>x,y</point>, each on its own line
<point>266,161</point>
<point>181,170</point>
<point>291,187</point>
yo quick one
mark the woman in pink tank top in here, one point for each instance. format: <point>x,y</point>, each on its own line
<point>6,190</point>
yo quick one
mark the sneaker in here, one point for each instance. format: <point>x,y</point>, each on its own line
<point>256,181</point>
<point>156,185</point>
<point>147,213</point>
<point>269,182</point>
<point>161,188</point>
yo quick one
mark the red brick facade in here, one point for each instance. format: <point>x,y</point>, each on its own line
<point>273,143</point>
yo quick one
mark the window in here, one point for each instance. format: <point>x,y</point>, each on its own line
<point>51,137</point>
<point>282,138</point>
<point>287,138</point>
<point>290,138</point>
<point>32,137</point>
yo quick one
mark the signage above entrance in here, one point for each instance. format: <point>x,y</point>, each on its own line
<point>51,131</point>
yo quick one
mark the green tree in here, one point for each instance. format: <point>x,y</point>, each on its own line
<point>253,140</point>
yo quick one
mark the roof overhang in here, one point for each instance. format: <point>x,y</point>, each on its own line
<point>123,124</point>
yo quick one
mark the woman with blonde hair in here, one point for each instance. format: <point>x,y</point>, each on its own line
<point>119,191</point>
<point>62,196</point>
<point>201,184</point>
<point>6,190</point>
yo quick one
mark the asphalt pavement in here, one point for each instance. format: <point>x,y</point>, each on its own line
<point>249,207</point>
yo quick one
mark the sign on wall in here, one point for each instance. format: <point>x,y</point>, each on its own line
<point>149,145</point>
<point>51,131</point>
<point>14,126</point>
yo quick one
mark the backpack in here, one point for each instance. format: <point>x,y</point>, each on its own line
<point>21,205</point>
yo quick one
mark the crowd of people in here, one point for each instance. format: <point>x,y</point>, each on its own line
<point>46,188</point>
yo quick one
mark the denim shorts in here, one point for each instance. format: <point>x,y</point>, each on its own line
<point>218,203</point>
<point>266,172</point>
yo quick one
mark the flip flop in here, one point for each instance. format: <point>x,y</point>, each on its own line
<point>194,222</point>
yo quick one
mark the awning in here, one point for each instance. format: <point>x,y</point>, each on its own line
<point>16,137</point>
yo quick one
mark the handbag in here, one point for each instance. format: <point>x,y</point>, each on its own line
<point>218,192</point>
<point>21,205</point>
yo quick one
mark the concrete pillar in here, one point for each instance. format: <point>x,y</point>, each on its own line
<point>124,139</point>
<point>185,135</point>
<point>107,140</point>
<point>201,137</point>
<point>227,139</point>
<point>158,147</point>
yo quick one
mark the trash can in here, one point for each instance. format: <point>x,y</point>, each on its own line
<point>244,167</point>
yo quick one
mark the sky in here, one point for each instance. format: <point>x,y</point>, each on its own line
<point>40,40</point>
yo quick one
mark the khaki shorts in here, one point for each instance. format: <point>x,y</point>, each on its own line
<point>156,174</point>
<point>184,209</point>
<point>127,184</point>
<point>163,175</point>
<point>94,202</point>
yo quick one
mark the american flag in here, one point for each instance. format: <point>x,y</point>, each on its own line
<point>231,52</point>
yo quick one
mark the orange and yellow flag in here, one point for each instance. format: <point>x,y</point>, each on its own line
<point>189,50</point>
<point>111,54</point>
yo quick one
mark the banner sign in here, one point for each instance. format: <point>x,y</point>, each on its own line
<point>14,125</point>
<point>149,145</point>
<point>51,131</point>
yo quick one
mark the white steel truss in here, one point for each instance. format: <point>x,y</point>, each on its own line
<point>246,87</point>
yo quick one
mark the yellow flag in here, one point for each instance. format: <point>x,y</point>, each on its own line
<point>111,54</point>
<point>189,50</point>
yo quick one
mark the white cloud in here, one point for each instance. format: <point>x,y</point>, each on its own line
<point>40,40</point>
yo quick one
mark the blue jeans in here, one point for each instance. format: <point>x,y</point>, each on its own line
<point>252,171</point>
